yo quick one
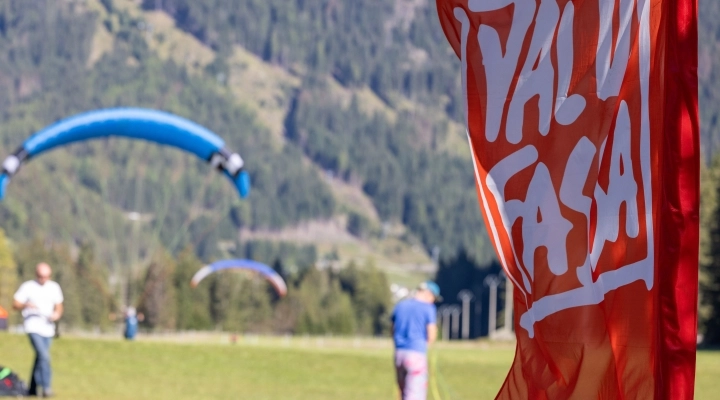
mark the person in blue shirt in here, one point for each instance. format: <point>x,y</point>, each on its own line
<point>414,328</point>
<point>131,323</point>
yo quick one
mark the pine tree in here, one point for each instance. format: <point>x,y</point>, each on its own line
<point>286,312</point>
<point>253,304</point>
<point>224,301</point>
<point>95,296</point>
<point>371,297</point>
<point>8,273</point>
<point>325,306</point>
<point>709,311</point>
<point>193,304</point>
<point>157,301</point>
<point>313,286</point>
<point>339,312</point>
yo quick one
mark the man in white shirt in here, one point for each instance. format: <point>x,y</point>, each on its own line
<point>41,304</point>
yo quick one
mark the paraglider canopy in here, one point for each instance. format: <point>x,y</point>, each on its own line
<point>135,123</point>
<point>265,271</point>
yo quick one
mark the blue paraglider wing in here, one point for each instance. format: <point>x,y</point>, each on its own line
<point>135,123</point>
<point>155,126</point>
<point>268,273</point>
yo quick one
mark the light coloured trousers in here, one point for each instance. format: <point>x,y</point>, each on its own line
<point>411,368</point>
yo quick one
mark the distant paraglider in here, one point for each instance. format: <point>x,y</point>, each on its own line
<point>134,123</point>
<point>266,272</point>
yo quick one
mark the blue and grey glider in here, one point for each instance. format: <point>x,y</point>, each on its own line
<point>249,265</point>
<point>134,123</point>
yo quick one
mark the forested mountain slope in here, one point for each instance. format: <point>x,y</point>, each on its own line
<point>347,113</point>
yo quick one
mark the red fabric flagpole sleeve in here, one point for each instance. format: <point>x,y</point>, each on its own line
<point>678,270</point>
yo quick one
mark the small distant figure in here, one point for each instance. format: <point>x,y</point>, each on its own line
<point>3,319</point>
<point>233,338</point>
<point>132,319</point>
<point>414,328</point>
<point>41,304</point>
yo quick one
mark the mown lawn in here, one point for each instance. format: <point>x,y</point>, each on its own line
<point>262,368</point>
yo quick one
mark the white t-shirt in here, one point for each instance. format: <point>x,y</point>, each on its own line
<point>44,297</point>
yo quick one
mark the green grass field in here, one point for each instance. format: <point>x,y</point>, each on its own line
<point>207,367</point>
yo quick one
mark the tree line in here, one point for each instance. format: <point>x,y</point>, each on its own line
<point>354,300</point>
<point>709,300</point>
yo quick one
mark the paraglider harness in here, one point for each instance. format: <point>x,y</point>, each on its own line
<point>225,160</point>
<point>10,384</point>
<point>12,163</point>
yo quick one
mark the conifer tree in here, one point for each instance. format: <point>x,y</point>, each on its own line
<point>95,297</point>
<point>223,288</point>
<point>193,305</point>
<point>312,288</point>
<point>339,314</point>
<point>253,304</point>
<point>371,298</point>
<point>8,273</point>
<point>326,308</point>
<point>157,301</point>
<point>709,311</point>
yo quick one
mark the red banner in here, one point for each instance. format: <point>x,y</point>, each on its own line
<point>583,122</point>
